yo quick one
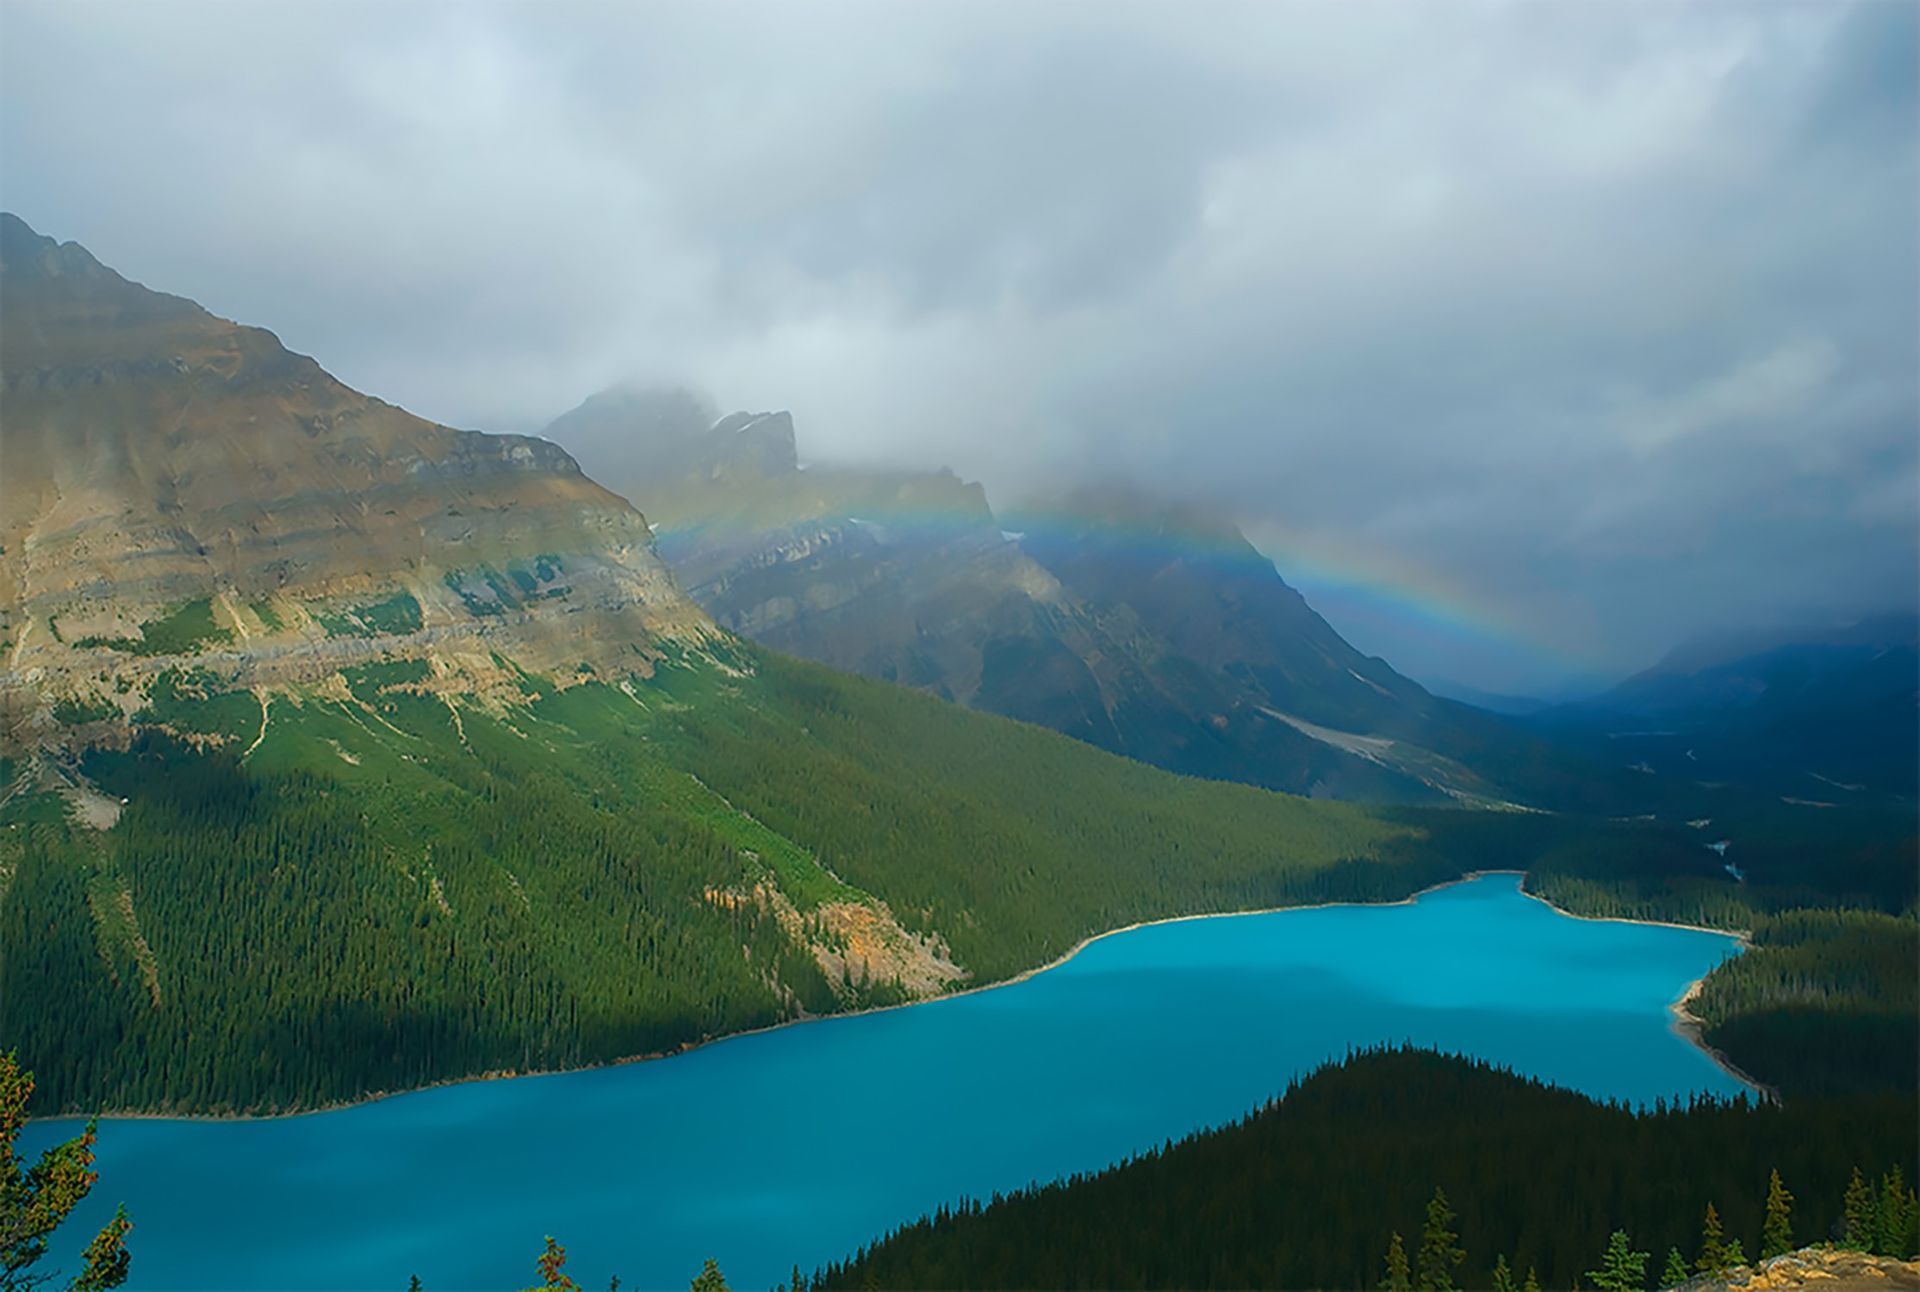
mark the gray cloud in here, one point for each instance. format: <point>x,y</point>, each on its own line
<point>1592,326</point>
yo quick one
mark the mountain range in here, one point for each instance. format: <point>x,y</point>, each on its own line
<point>343,751</point>
<point>1818,716</point>
<point>1149,628</point>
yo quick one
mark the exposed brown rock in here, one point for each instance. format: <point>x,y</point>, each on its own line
<point>1816,1269</point>
<point>153,455</point>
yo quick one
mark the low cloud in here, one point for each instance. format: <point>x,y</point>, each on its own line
<point>1600,319</point>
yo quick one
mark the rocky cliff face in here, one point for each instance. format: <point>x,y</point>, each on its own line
<point>1148,630</point>
<point>175,487</point>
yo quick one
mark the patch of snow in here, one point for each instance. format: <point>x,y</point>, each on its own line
<point>1720,847</point>
<point>1368,747</point>
<point>1370,682</point>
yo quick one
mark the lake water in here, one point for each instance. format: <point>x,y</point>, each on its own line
<point>798,1145</point>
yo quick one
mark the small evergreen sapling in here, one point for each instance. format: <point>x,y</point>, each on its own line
<point>1899,1214</point>
<point>1860,1215</point>
<point>1713,1244</point>
<point>1440,1247</point>
<point>1396,1276</point>
<point>1776,1235</point>
<point>1621,1268</point>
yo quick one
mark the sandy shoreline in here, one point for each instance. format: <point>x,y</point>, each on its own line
<point>1683,1022</point>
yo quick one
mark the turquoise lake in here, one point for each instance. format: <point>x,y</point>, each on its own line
<point>799,1144</point>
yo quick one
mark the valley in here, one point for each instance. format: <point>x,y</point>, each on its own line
<point>345,754</point>
<point>1138,1037</point>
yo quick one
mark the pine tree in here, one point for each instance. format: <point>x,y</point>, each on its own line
<point>1861,1214</point>
<point>1439,1246</point>
<point>709,1279</point>
<point>1776,1235</point>
<point>799,1283</point>
<point>1621,1268</point>
<point>1735,1254</point>
<point>1396,1276</point>
<point>1713,1244</point>
<point>35,1200</point>
<point>1502,1276</point>
<point>1533,1281</point>
<point>413,1284</point>
<point>552,1266</point>
<point>1676,1272</point>
<point>105,1262</point>
<point>1898,1213</point>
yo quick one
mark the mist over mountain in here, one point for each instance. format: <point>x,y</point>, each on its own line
<point>1138,624</point>
<point>1527,346</point>
<point>1256,532</point>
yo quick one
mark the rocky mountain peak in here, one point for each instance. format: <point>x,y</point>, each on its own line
<point>165,470</point>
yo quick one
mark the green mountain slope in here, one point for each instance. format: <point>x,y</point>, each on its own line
<point>384,888</point>
<point>341,752</point>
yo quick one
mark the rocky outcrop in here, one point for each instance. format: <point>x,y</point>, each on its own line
<point>177,488</point>
<point>1815,1269</point>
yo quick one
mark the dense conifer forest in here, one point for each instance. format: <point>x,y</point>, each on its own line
<point>390,890</point>
<point>309,898</point>
<point>1823,1003</point>
<point>1311,1190</point>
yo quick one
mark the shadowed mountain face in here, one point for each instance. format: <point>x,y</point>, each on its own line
<point>1150,630</point>
<point>174,485</point>
<point>1816,716</point>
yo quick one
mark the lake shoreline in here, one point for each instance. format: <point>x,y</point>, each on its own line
<point>1682,1021</point>
<point>1685,1024</point>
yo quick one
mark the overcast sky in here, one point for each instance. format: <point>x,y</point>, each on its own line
<point>1528,339</point>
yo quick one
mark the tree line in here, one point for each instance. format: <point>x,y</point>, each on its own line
<point>1306,1191</point>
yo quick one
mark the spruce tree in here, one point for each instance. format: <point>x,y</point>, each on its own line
<point>552,1266</point>
<point>1676,1272</point>
<point>1713,1244</point>
<point>799,1283</point>
<point>1776,1235</point>
<point>1396,1275</point>
<point>35,1198</point>
<point>105,1262</point>
<point>1860,1214</point>
<point>1621,1268</point>
<point>1533,1281</point>
<point>1898,1214</point>
<point>1440,1247</point>
<point>1502,1276</point>
<point>1735,1254</point>
<point>709,1279</point>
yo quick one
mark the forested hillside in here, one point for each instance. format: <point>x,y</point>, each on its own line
<point>1824,1003</point>
<point>1308,1191</point>
<point>379,887</point>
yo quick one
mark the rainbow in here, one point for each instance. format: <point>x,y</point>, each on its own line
<point>1372,587</point>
